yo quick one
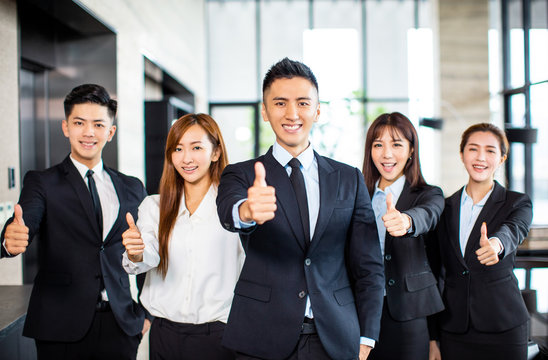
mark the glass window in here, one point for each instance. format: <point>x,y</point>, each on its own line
<point>538,40</point>
<point>237,124</point>
<point>232,54</point>
<point>539,120</point>
<point>386,47</point>
<point>282,26</point>
<point>517,167</point>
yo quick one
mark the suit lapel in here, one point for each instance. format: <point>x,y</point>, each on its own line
<point>277,176</point>
<point>121,193</point>
<point>329,183</point>
<point>486,215</point>
<point>452,217</point>
<point>82,192</point>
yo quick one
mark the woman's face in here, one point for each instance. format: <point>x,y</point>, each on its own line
<point>193,155</point>
<point>482,156</point>
<point>390,154</point>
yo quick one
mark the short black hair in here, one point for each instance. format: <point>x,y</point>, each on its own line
<point>288,69</point>
<point>90,93</point>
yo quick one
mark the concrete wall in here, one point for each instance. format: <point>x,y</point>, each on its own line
<point>10,269</point>
<point>463,80</point>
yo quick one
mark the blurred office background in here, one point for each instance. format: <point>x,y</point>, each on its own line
<point>446,64</point>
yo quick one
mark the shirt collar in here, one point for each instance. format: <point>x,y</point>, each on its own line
<point>206,205</point>
<point>395,188</point>
<point>83,169</point>
<point>283,156</point>
<point>465,197</point>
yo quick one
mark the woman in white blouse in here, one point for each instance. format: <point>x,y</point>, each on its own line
<point>194,263</point>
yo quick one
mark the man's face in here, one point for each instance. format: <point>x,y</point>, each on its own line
<point>291,106</point>
<point>88,129</point>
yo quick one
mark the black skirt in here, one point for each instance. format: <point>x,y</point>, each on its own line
<point>476,345</point>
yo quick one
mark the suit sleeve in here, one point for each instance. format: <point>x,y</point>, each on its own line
<point>426,213</point>
<point>33,202</point>
<point>232,188</point>
<point>515,228</point>
<point>365,263</point>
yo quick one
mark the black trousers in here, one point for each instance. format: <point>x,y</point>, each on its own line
<point>475,345</point>
<point>105,340</point>
<point>401,340</point>
<point>309,347</point>
<point>176,341</point>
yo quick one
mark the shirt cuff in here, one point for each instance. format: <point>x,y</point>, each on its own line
<point>4,246</point>
<point>238,223</point>
<point>367,341</point>
<point>129,266</point>
<point>500,243</point>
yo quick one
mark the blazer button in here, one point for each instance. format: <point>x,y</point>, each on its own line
<point>302,294</point>
<point>307,262</point>
<point>388,257</point>
<point>465,272</point>
<point>391,282</point>
<point>102,247</point>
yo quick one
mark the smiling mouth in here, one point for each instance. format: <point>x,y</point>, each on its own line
<point>88,144</point>
<point>479,167</point>
<point>293,127</point>
<point>388,166</point>
<point>189,169</point>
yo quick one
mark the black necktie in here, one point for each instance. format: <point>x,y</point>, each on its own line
<point>96,201</point>
<point>297,180</point>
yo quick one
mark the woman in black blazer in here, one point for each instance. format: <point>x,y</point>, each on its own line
<point>406,208</point>
<point>478,235</point>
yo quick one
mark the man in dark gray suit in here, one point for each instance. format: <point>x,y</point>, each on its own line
<point>312,283</point>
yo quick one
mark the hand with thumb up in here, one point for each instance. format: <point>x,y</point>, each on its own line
<point>488,253</point>
<point>395,222</point>
<point>17,234</point>
<point>131,238</point>
<point>261,199</point>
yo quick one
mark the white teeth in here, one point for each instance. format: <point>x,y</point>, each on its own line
<point>479,167</point>
<point>389,165</point>
<point>190,169</point>
<point>291,127</point>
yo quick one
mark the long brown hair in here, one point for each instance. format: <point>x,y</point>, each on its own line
<point>172,183</point>
<point>395,123</point>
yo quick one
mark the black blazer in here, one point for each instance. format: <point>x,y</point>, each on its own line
<point>341,270</point>
<point>487,297</point>
<point>411,287</point>
<point>72,256</point>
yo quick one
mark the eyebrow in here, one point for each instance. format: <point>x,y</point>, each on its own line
<point>94,120</point>
<point>286,99</point>
<point>489,146</point>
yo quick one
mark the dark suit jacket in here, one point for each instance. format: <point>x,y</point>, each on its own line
<point>72,256</point>
<point>411,290</point>
<point>486,297</point>
<point>341,270</point>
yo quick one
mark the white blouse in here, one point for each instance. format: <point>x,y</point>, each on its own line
<point>205,261</point>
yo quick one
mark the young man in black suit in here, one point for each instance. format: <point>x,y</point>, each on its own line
<point>81,305</point>
<point>312,283</point>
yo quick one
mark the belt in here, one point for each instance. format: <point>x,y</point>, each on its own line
<point>308,327</point>
<point>102,306</point>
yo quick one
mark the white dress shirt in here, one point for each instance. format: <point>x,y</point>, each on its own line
<point>204,263</point>
<point>110,205</point>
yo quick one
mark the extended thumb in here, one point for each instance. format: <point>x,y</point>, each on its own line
<point>129,219</point>
<point>389,203</point>
<point>260,174</point>
<point>18,215</point>
<point>483,238</point>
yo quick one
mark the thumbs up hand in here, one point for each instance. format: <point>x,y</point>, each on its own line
<point>131,238</point>
<point>395,222</point>
<point>17,234</point>
<point>261,199</point>
<point>488,253</point>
